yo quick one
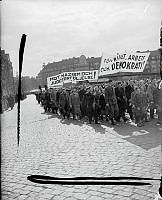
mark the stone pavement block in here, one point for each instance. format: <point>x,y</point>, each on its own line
<point>19,186</point>
<point>50,191</point>
<point>70,190</point>
<point>108,196</point>
<point>45,196</point>
<point>95,198</point>
<point>106,190</point>
<point>22,197</point>
<point>94,187</point>
<point>138,197</point>
<point>122,198</point>
<point>37,189</point>
<point>144,192</point>
<point>23,191</point>
<point>27,188</point>
<point>80,196</point>
<point>95,193</point>
<point>67,194</point>
<point>117,197</point>
<point>33,194</point>
<point>122,193</point>
<point>61,198</point>
<point>4,197</point>
<point>13,195</point>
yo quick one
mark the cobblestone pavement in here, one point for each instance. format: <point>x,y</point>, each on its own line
<point>52,146</point>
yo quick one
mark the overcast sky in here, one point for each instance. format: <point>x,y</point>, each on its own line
<point>59,29</point>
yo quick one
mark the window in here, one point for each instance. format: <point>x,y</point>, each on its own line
<point>153,62</point>
<point>147,66</point>
<point>154,68</point>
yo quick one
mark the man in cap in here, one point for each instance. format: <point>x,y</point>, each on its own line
<point>88,101</point>
<point>111,101</point>
<point>54,105</point>
<point>96,107</point>
<point>128,91</point>
<point>81,93</point>
<point>62,102</point>
<point>46,100</point>
<point>121,100</point>
<point>75,103</point>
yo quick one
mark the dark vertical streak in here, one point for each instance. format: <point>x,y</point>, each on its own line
<point>21,52</point>
<point>160,188</point>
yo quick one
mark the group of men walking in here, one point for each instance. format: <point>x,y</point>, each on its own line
<point>113,101</point>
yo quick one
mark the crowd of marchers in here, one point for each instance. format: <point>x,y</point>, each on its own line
<point>137,100</point>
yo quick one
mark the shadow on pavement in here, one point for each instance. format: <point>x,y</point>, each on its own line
<point>63,121</point>
<point>98,128</point>
<point>146,137</point>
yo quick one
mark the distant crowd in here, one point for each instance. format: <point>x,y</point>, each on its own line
<point>137,100</point>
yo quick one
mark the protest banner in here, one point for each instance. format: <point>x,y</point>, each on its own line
<point>123,62</point>
<point>72,77</point>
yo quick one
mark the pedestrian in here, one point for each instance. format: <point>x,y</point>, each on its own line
<point>62,102</point>
<point>136,102</point>
<point>144,103</point>
<point>75,104</point>
<point>67,104</point>
<point>88,103</point>
<point>159,122</point>
<point>54,105</point>
<point>96,105</point>
<point>47,100</point>
<point>121,101</point>
<point>111,101</point>
<point>81,93</point>
<point>102,104</point>
<point>150,90</point>
<point>140,102</point>
<point>128,91</point>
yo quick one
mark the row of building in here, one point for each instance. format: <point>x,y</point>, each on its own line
<point>7,80</point>
<point>82,63</point>
<point>9,83</point>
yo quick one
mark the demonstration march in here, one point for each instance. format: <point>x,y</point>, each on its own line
<point>136,100</point>
<point>81,106</point>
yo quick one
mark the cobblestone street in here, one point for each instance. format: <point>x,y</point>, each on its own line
<point>52,146</point>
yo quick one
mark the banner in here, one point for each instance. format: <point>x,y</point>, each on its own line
<point>123,62</point>
<point>72,77</point>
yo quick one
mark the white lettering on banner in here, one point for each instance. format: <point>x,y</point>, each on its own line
<point>72,77</point>
<point>123,62</point>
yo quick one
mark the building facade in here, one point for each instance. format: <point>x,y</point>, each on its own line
<point>84,64</point>
<point>68,65</point>
<point>7,80</point>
